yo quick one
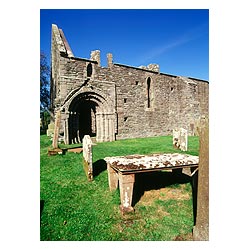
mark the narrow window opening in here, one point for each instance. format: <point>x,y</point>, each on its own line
<point>89,70</point>
<point>172,89</point>
<point>125,100</point>
<point>136,82</point>
<point>125,119</point>
<point>148,92</point>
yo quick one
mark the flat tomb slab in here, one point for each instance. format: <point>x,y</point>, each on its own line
<point>122,170</point>
<point>145,163</point>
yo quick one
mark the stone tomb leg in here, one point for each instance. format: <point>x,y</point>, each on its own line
<point>126,185</point>
<point>112,177</point>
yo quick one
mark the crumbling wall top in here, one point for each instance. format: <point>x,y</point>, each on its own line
<point>61,41</point>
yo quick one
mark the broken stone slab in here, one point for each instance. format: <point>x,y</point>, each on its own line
<point>55,151</point>
<point>180,139</point>
<point>75,150</point>
<point>87,156</point>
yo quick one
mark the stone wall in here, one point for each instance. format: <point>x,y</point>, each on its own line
<point>142,101</point>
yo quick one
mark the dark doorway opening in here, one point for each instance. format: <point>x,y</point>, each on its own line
<point>87,118</point>
<point>82,119</point>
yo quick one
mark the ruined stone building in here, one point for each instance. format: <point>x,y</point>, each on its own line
<point>119,101</point>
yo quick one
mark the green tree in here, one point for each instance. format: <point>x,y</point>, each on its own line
<point>44,83</point>
<point>44,92</point>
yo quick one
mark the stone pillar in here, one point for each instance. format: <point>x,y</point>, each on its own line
<point>95,56</point>
<point>56,130</point>
<point>112,177</point>
<point>66,130</point>
<point>111,128</point>
<point>98,127</point>
<point>110,59</point>
<point>106,127</point>
<point>103,127</point>
<point>201,228</point>
<point>126,185</point>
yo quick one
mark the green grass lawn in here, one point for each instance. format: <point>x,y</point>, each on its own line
<point>74,209</point>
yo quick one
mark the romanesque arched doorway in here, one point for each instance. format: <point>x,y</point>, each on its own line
<point>82,119</point>
<point>89,113</point>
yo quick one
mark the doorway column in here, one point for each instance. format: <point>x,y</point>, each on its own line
<point>105,127</point>
<point>100,127</point>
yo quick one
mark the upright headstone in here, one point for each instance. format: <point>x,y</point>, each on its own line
<point>56,130</point>
<point>180,139</point>
<point>183,139</point>
<point>201,228</point>
<point>176,136</point>
<point>50,130</point>
<point>87,156</point>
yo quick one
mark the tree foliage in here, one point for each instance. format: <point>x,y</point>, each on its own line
<point>44,83</point>
<point>44,92</point>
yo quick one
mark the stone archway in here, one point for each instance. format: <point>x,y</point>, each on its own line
<point>92,113</point>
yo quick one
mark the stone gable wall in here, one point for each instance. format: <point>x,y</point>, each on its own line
<point>174,101</point>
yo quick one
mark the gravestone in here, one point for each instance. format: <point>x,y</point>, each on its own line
<point>56,130</point>
<point>87,156</point>
<point>201,228</point>
<point>180,139</point>
<point>50,130</point>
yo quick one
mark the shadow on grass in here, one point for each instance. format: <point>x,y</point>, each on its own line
<point>41,207</point>
<point>98,167</point>
<point>156,180</point>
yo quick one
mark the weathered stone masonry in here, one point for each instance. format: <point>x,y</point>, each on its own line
<point>119,101</point>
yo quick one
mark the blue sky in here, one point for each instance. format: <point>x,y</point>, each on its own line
<point>177,40</point>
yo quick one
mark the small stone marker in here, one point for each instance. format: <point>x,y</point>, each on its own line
<point>50,130</point>
<point>55,150</point>
<point>87,156</point>
<point>56,130</point>
<point>180,139</point>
